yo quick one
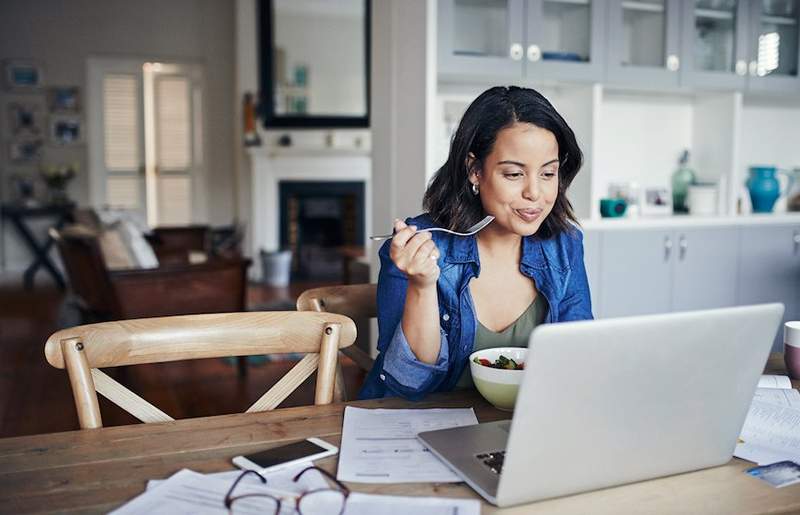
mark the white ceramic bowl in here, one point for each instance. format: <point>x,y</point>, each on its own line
<point>497,385</point>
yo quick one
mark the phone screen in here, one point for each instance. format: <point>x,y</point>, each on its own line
<point>278,455</point>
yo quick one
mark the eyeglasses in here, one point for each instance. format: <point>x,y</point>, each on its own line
<point>323,501</point>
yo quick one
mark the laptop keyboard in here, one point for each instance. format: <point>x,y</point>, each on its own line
<point>493,460</point>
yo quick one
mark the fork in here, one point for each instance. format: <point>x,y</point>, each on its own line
<point>469,232</point>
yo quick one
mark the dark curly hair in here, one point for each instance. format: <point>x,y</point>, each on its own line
<point>449,199</point>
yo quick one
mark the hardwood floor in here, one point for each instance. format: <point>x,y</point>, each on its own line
<point>36,398</point>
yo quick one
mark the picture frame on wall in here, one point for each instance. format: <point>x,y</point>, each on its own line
<point>22,75</point>
<point>63,99</point>
<point>25,119</point>
<point>66,129</point>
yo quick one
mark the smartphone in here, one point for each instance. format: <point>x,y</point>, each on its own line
<point>279,457</point>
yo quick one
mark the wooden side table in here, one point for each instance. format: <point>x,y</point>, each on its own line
<point>19,216</point>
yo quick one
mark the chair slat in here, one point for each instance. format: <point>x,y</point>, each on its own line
<point>286,385</point>
<point>126,399</point>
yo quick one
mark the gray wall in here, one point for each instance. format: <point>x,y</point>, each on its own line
<point>62,34</point>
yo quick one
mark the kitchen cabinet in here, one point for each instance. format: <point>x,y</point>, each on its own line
<point>485,40</point>
<point>647,271</point>
<point>770,269</point>
<point>774,44</point>
<point>715,44</point>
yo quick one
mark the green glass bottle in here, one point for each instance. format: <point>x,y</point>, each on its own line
<point>682,178</point>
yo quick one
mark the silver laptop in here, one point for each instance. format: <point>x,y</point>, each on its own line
<point>614,401</point>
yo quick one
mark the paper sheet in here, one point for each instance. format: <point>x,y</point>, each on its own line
<point>771,381</point>
<point>778,397</point>
<point>770,433</point>
<point>380,445</point>
<point>188,492</point>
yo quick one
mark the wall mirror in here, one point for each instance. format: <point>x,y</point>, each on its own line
<point>315,63</point>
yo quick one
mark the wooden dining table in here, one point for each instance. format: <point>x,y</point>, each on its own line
<point>97,470</point>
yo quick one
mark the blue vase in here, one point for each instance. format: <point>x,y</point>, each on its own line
<point>764,187</point>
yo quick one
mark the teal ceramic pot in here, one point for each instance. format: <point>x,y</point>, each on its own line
<point>612,207</point>
<point>764,188</point>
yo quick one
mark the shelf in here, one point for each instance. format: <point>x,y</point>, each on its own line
<point>571,2</point>
<point>644,222</point>
<point>712,14</point>
<point>778,20</point>
<point>643,7</point>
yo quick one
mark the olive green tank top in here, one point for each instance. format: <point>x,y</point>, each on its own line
<point>515,335</point>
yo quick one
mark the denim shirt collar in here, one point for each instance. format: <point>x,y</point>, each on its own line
<point>465,250</point>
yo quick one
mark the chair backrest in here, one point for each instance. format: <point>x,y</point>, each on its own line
<point>357,301</point>
<point>86,269</point>
<point>82,350</point>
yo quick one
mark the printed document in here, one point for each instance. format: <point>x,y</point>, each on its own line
<point>381,446</point>
<point>770,381</point>
<point>770,433</point>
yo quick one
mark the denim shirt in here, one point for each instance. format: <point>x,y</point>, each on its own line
<point>555,265</point>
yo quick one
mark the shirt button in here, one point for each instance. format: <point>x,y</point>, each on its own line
<point>445,317</point>
<point>383,377</point>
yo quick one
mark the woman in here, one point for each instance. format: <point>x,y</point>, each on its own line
<point>440,296</point>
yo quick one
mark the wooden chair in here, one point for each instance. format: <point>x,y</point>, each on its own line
<point>84,349</point>
<point>356,301</point>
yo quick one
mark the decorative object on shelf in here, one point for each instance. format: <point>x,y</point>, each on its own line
<point>25,151</point>
<point>23,190</point>
<point>65,129</point>
<point>249,110</point>
<point>22,76</point>
<point>57,178</point>
<point>630,193</point>
<point>682,178</point>
<point>702,198</point>
<point>793,202</point>
<point>612,207</point>
<point>64,99</point>
<point>765,188</point>
<point>25,119</point>
<point>656,201</point>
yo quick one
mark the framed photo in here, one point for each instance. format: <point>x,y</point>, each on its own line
<point>25,151</point>
<point>656,201</point>
<point>23,75</point>
<point>25,119</point>
<point>63,99</point>
<point>66,129</point>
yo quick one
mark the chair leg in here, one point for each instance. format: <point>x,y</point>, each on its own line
<point>339,390</point>
<point>241,366</point>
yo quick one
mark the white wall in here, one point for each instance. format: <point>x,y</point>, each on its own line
<point>61,35</point>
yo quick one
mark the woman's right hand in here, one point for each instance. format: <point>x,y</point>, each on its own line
<point>415,254</point>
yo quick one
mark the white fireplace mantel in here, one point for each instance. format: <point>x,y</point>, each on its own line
<point>272,165</point>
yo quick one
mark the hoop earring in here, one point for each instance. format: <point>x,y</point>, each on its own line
<point>475,189</point>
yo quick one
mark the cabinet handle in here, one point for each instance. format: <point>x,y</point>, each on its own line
<point>673,63</point>
<point>683,246</point>
<point>753,67</point>
<point>515,52</point>
<point>534,53</point>
<point>667,248</point>
<point>796,240</point>
<point>741,67</point>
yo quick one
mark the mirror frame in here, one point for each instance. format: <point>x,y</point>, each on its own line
<point>269,119</point>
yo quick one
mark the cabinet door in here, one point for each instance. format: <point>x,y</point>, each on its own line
<point>714,43</point>
<point>774,56</point>
<point>636,272</point>
<point>591,259</point>
<point>480,39</point>
<point>644,43</point>
<point>705,269</point>
<point>564,39</point>
<point>770,269</point>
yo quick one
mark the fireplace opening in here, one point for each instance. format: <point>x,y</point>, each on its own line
<point>320,222</point>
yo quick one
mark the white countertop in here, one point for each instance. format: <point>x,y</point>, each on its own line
<point>653,222</point>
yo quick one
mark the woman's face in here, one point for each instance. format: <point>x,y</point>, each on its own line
<point>518,181</point>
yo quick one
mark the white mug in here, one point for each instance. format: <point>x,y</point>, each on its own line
<point>791,348</point>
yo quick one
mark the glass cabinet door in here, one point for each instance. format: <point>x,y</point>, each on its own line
<point>564,38</point>
<point>481,37</point>
<point>644,42</point>
<point>774,61</point>
<point>715,43</point>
